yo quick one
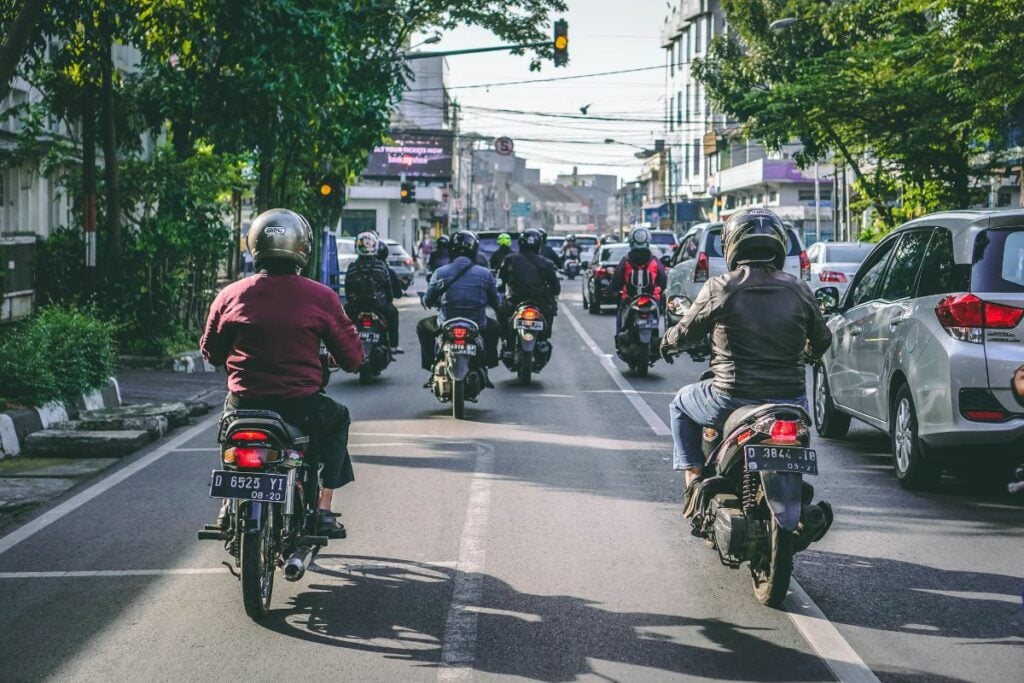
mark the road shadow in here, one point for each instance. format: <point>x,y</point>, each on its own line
<point>905,597</point>
<point>397,608</point>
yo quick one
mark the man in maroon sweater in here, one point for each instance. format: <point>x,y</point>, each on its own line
<point>266,332</point>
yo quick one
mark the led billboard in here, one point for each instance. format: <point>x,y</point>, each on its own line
<point>417,154</point>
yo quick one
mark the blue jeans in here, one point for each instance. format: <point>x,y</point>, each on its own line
<point>699,405</point>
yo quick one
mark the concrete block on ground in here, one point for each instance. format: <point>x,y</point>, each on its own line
<point>9,445</point>
<point>156,425</point>
<point>19,492</point>
<point>196,408</point>
<point>51,413</point>
<point>176,413</point>
<point>63,443</point>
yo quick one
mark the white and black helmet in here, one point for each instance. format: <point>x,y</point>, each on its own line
<point>755,235</point>
<point>640,238</point>
<point>280,234</point>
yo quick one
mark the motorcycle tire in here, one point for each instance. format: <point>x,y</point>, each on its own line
<point>258,569</point>
<point>459,400</point>
<point>642,362</point>
<point>365,374</point>
<point>772,584</point>
<point>525,370</point>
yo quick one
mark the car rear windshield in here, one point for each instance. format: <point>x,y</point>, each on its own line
<point>714,248</point>
<point>847,253</point>
<point>616,253</point>
<point>663,238</point>
<point>999,261</point>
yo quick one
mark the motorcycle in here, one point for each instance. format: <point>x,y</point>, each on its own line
<point>459,373</point>
<point>753,504</point>
<point>270,481</point>
<point>373,331</point>
<point>529,349</point>
<point>571,268</point>
<point>637,343</point>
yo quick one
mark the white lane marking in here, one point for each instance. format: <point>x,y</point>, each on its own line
<point>810,621</point>
<point>113,573</point>
<point>656,424</point>
<point>209,449</point>
<point>458,648</point>
<point>72,504</point>
<point>825,639</point>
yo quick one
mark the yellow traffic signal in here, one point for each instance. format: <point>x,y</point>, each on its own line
<point>326,189</point>
<point>561,42</point>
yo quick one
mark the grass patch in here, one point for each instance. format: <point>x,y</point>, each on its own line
<point>18,465</point>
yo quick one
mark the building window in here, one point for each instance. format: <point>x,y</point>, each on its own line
<point>696,156</point>
<point>760,198</point>
<point>679,108</point>
<point>670,53</point>
<point>808,195</point>
<point>773,197</point>
<point>696,37</point>
<point>686,44</point>
<point>355,221</point>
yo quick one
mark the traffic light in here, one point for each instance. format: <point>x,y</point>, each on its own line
<point>407,192</point>
<point>561,42</point>
<point>329,189</point>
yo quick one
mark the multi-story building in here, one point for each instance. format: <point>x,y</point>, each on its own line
<point>595,190</point>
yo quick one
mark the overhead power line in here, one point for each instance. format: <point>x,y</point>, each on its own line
<point>540,80</point>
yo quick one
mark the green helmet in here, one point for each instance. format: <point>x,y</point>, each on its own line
<point>280,234</point>
<point>504,240</point>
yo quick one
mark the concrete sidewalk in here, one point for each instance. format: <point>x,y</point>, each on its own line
<point>26,483</point>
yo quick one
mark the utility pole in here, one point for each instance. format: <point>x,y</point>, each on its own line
<point>817,204</point>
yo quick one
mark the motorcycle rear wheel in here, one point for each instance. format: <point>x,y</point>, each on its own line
<point>365,374</point>
<point>459,400</point>
<point>771,579</point>
<point>525,369</point>
<point>643,362</point>
<point>258,568</point>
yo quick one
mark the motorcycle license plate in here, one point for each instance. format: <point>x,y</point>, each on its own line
<point>647,323</point>
<point>529,324</point>
<point>464,349</point>
<point>370,336</point>
<point>781,459</point>
<point>248,486</point>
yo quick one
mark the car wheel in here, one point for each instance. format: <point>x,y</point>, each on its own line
<point>829,422</point>
<point>914,470</point>
<point>595,304</point>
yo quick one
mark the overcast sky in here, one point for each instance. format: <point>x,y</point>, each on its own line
<point>604,35</point>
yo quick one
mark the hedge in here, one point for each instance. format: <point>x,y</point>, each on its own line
<point>59,354</point>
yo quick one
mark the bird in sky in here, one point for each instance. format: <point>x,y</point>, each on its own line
<point>584,108</point>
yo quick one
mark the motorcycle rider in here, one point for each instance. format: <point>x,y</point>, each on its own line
<point>528,276</point>
<point>504,249</point>
<point>763,323</point>
<point>461,289</point>
<point>266,331</point>
<point>546,251</point>
<point>439,257</point>
<point>570,249</point>
<point>639,272</point>
<point>368,285</point>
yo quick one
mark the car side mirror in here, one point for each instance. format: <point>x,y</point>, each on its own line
<point>828,300</point>
<point>666,260</point>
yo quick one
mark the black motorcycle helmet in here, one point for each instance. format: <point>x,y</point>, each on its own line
<point>531,240</point>
<point>382,251</point>
<point>280,235</point>
<point>443,241</point>
<point>464,243</point>
<point>543,236</point>
<point>755,235</point>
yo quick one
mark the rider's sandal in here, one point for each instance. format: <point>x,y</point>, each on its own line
<point>329,525</point>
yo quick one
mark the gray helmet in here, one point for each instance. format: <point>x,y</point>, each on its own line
<point>755,235</point>
<point>280,234</point>
<point>640,238</point>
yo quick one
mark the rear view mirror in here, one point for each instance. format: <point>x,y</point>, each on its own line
<point>666,260</point>
<point>828,300</point>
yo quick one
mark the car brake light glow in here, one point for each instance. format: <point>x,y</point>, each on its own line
<point>831,276</point>
<point>460,332</point>
<point>805,266</point>
<point>250,457</point>
<point>251,435</point>
<point>965,316</point>
<point>408,261</point>
<point>700,273</point>
<point>784,432</point>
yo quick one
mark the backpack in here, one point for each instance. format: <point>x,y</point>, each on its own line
<point>641,279</point>
<point>361,287</point>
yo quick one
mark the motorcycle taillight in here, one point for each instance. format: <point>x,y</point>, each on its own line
<point>366,321</point>
<point>460,333</point>
<point>248,457</point>
<point>785,432</point>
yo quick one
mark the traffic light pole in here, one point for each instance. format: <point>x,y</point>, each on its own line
<point>474,50</point>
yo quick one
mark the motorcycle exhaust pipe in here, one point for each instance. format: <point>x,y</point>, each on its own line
<point>295,567</point>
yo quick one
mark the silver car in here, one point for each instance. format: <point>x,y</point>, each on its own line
<point>926,343</point>
<point>699,257</point>
<point>401,262</point>
<point>835,263</point>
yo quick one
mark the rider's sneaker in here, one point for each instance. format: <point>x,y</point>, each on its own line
<point>429,383</point>
<point>222,517</point>
<point>487,380</point>
<point>329,525</point>
<point>397,350</point>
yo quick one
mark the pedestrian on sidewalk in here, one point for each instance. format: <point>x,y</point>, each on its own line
<point>266,331</point>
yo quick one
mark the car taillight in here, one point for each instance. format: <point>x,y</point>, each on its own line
<point>408,261</point>
<point>965,317</point>
<point>460,333</point>
<point>805,267</point>
<point>701,272</point>
<point>831,276</point>
<point>250,435</point>
<point>784,432</point>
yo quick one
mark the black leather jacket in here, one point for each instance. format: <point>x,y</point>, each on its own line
<point>761,322</point>
<point>531,277</point>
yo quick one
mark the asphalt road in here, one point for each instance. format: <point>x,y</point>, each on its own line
<point>540,539</point>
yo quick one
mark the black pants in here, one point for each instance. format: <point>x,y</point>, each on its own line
<point>427,330</point>
<point>390,313</point>
<point>323,419</point>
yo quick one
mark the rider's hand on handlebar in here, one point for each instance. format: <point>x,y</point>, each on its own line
<point>668,353</point>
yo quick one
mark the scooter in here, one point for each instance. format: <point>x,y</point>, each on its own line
<point>373,331</point>
<point>529,349</point>
<point>637,343</point>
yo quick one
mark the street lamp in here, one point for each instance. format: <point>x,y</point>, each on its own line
<point>782,24</point>
<point>432,40</point>
<point>644,153</point>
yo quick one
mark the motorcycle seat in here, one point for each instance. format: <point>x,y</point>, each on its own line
<point>741,415</point>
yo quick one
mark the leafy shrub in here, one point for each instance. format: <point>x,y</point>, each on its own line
<point>59,354</point>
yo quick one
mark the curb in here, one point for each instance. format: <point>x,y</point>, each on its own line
<point>16,425</point>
